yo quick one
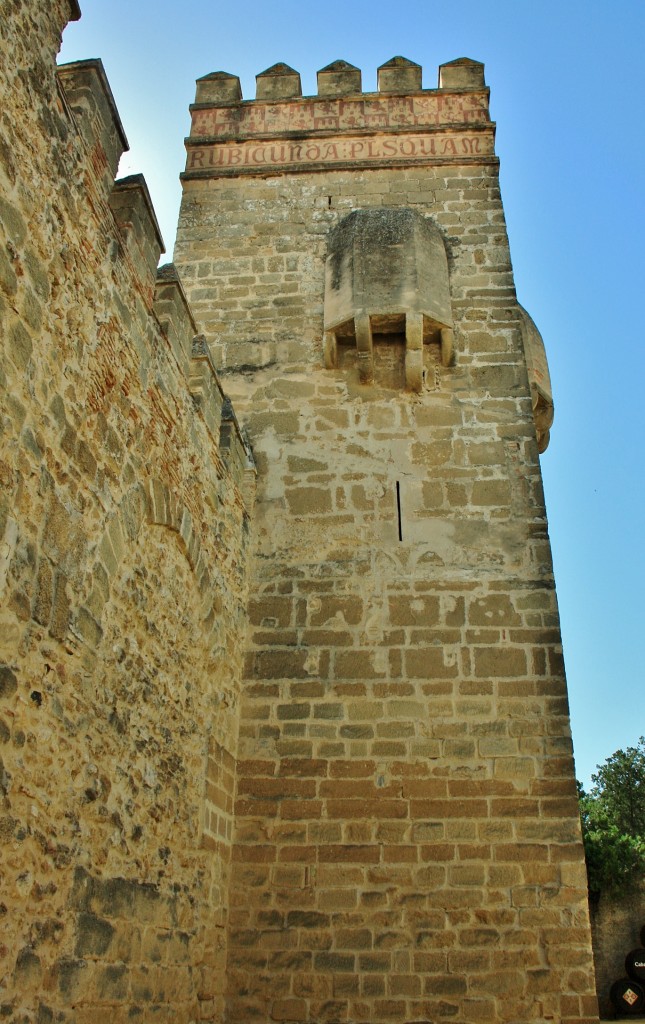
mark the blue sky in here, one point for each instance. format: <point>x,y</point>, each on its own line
<point>566,81</point>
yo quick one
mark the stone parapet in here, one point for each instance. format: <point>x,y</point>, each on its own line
<point>88,92</point>
<point>399,75</point>
<point>135,217</point>
<point>339,79</point>
<point>124,541</point>
<point>234,445</point>
<point>279,82</point>
<point>205,386</point>
<point>399,125</point>
<point>174,315</point>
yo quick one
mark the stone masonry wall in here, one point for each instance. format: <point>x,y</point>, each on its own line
<point>407,843</point>
<point>123,532</point>
<point>365,810</point>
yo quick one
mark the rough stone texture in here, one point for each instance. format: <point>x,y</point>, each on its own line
<point>123,532</point>
<point>385,262</point>
<point>338,786</point>
<point>407,843</point>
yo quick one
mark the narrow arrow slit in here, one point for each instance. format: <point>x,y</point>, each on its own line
<point>398,508</point>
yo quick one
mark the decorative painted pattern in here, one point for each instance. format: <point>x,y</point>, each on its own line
<point>369,112</point>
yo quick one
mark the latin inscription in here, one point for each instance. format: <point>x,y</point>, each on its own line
<point>341,114</point>
<point>353,151</point>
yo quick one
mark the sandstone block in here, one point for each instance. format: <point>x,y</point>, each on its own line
<point>500,662</point>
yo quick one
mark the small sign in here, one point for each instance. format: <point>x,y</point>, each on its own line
<point>630,997</point>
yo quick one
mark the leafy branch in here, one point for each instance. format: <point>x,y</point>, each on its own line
<point>613,823</point>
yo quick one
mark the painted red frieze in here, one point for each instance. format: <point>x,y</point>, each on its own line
<point>368,112</point>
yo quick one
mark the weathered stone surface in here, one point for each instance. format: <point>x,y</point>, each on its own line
<point>349,797</point>
<point>278,83</point>
<point>399,75</point>
<point>339,79</point>
<point>120,663</point>
<point>8,682</point>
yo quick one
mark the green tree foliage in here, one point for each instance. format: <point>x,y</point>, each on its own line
<point>613,822</point>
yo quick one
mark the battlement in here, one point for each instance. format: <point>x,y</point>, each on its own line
<point>88,93</point>
<point>343,125</point>
<point>399,75</point>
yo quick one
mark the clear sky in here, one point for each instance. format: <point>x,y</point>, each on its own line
<point>566,81</point>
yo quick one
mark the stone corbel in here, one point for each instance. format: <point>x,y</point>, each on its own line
<point>330,350</point>
<point>447,346</point>
<point>365,348</point>
<point>414,351</point>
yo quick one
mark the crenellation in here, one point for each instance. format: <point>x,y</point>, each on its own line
<point>463,73</point>
<point>137,223</point>
<point>88,92</point>
<point>399,75</point>
<point>218,88</point>
<point>279,82</point>
<point>339,108</point>
<point>174,314</point>
<point>339,79</point>
<point>205,387</point>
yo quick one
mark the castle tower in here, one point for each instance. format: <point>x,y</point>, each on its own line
<point>406,844</point>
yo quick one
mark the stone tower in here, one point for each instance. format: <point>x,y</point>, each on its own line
<point>406,844</point>
<point>302,758</point>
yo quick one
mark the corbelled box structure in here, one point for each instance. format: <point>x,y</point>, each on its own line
<point>283,721</point>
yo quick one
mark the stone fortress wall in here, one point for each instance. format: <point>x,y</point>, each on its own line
<point>124,524</point>
<point>302,755</point>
